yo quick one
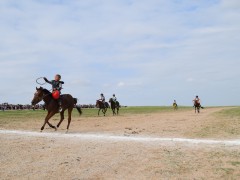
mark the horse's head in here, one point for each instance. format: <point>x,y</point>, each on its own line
<point>38,96</point>
<point>97,103</point>
<point>110,100</point>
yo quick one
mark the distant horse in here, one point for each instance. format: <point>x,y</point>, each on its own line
<point>114,106</point>
<point>175,106</point>
<point>197,106</point>
<point>51,105</point>
<point>101,106</point>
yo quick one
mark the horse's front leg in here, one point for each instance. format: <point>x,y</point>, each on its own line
<point>45,121</point>
<point>49,115</point>
<point>99,111</point>
<point>50,125</point>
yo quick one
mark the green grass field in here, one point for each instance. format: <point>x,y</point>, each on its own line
<point>230,113</point>
<point>225,123</point>
<point>30,114</point>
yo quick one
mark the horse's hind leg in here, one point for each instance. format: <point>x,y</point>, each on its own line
<point>69,117</point>
<point>61,120</point>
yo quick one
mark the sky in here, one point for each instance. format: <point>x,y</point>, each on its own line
<point>146,52</point>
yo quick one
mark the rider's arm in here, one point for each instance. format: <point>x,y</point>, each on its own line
<point>50,82</point>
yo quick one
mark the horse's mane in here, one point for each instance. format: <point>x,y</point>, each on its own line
<point>45,91</point>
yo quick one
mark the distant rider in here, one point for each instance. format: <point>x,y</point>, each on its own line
<point>197,100</point>
<point>102,99</point>
<point>114,98</point>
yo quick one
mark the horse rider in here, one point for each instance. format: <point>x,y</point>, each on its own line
<point>102,99</point>
<point>197,100</point>
<point>56,85</point>
<point>114,98</point>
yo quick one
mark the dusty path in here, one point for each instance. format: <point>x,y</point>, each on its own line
<point>166,124</point>
<point>28,157</point>
<point>121,148</point>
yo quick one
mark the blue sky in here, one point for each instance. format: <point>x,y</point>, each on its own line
<point>147,52</point>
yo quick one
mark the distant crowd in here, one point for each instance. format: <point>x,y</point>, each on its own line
<point>7,106</point>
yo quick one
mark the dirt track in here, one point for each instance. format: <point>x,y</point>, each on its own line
<point>36,157</point>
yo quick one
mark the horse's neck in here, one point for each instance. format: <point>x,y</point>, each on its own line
<point>47,98</point>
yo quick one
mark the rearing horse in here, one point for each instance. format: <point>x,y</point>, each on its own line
<point>114,105</point>
<point>51,105</point>
<point>101,106</point>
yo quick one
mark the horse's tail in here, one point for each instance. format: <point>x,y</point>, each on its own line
<point>77,107</point>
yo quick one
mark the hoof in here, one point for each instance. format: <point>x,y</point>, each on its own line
<point>55,129</point>
<point>66,131</point>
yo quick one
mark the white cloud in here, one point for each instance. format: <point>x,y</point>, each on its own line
<point>121,84</point>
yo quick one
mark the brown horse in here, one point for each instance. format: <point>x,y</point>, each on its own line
<point>197,106</point>
<point>51,105</point>
<point>101,106</point>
